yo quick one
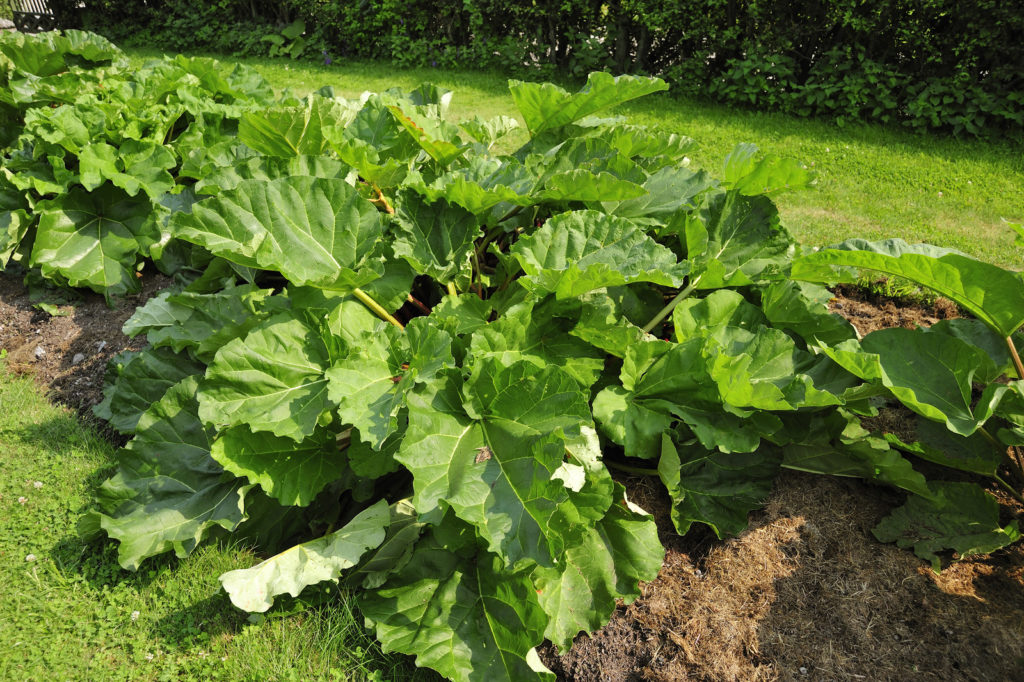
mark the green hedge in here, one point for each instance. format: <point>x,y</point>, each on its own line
<point>929,64</point>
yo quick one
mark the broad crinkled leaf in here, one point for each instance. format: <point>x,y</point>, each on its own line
<point>933,442</point>
<point>292,473</point>
<point>835,444</point>
<point>802,307</point>
<point>769,175</point>
<point>736,239</point>
<point>370,383</point>
<point>288,131</point>
<point>132,167</point>
<point>254,589</point>
<point>13,228</point>
<point>669,190</point>
<point>705,316</point>
<point>581,594</point>
<point>929,373</point>
<point>715,488</point>
<point>469,620</point>
<point>435,238</point>
<point>538,332</point>
<point>92,238</point>
<point>577,252</point>
<point>763,370</point>
<point>314,231</point>
<point>545,106</point>
<point>270,168</point>
<point>143,381</point>
<point>200,322</point>
<point>271,380</point>
<point>437,137</point>
<point>496,470</point>
<point>962,517</point>
<point>168,493</point>
<point>990,293</point>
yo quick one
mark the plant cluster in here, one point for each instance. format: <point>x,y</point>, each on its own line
<point>938,64</point>
<point>402,361</point>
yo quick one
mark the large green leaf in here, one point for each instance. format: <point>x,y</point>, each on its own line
<point>13,228</point>
<point>835,444</point>
<point>670,189</point>
<point>931,374</point>
<point>496,470</point>
<point>934,443</point>
<point>581,594</point>
<point>769,175</point>
<point>315,231</point>
<point>200,322</point>
<point>467,619</point>
<point>143,381</point>
<point>436,238</point>
<point>292,473</point>
<point>168,493</point>
<point>92,238</point>
<point>545,106</point>
<point>370,383</point>
<point>701,317</point>
<point>735,240</point>
<point>764,370</point>
<point>537,331</point>
<point>802,307</point>
<point>961,517</point>
<point>990,293</point>
<point>253,589</point>
<point>271,380</point>
<point>715,488</point>
<point>269,168</point>
<point>134,166</point>
<point>288,131</point>
<point>579,251</point>
<point>437,137</point>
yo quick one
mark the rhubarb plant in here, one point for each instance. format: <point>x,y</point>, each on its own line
<point>395,358</point>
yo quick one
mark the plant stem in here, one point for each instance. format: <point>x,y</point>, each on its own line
<point>452,291</point>
<point>419,304</point>
<point>625,468</point>
<point>1009,488</point>
<point>1015,466</point>
<point>664,312</point>
<point>1016,358</point>
<point>377,309</point>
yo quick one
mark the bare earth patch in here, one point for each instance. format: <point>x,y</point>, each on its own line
<point>806,593</point>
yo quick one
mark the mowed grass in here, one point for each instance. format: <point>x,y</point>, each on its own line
<point>69,612</point>
<point>874,182</point>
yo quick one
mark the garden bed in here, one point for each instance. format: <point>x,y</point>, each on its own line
<point>806,593</point>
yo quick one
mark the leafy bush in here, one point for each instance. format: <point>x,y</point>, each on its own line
<point>396,359</point>
<point>927,64</point>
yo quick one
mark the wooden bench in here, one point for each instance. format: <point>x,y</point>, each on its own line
<point>33,16</point>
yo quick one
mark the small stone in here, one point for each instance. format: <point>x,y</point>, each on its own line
<point>100,346</point>
<point>79,357</point>
<point>40,353</point>
<point>803,670</point>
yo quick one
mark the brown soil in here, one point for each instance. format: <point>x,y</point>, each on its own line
<point>46,346</point>
<point>805,594</point>
<point>869,312</point>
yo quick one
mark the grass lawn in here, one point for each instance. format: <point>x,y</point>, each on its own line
<point>68,612</point>
<point>873,182</point>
